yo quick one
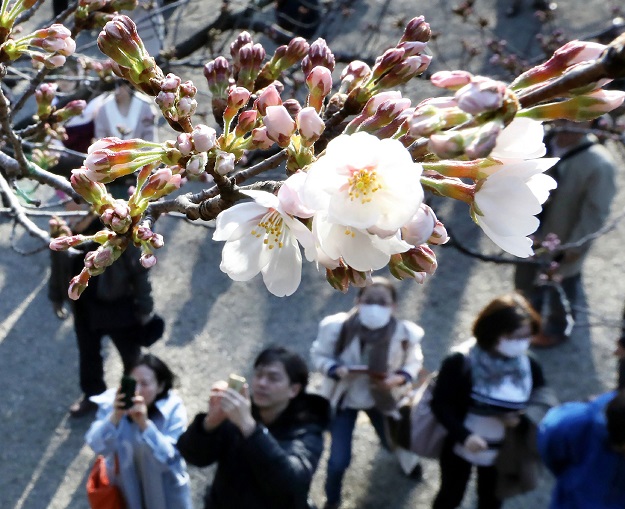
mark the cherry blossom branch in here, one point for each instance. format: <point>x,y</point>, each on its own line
<point>7,129</point>
<point>610,64</point>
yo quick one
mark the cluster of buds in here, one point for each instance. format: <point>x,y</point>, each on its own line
<point>177,102</point>
<point>341,277</point>
<point>284,57</point>
<point>111,158</point>
<point>152,185</point>
<point>44,158</point>
<point>120,41</point>
<point>396,66</point>
<point>382,115</point>
<point>247,59</point>
<point>55,41</point>
<point>195,147</point>
<point>144,237</point>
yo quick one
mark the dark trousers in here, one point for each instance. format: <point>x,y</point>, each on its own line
<point>91,363</point>
<point>341,432</point>
<point>455,473</point>
<point>545,299</point>
<point>621,374</point>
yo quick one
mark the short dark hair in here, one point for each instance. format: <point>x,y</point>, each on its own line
<point>615,418</point>
<point>379,281</point>
<point>503,315</point>
<point>163,374</point>
<point>294,364</point>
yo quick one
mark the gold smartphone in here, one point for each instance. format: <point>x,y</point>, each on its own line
<point>236,382</point>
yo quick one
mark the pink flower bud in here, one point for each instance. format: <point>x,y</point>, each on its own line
<point>320,80</point>
<point>204,138</point>
<point>224,162</point>
<point>417,30</point>
<point>157,241</point>
<point>147,260</point>
<point>452,80</point>
<point>184,143</point>
<point>59,30</point>
<point>196,164</point>
<point>292,106</point>
<point>186,107</point>
<point>260,138</point>
<point>413,48</point>
<point>170,83</point>
<point>319,54</point>
<point>78,284</point>
<point>268,97</point>
<point>310,124</point>
<point>238,97</point>
<point>165,100</point>
<point>188,89</point>
<point>482,94</point>
<point>246,122</point>
<point>280,126</point>
<point>419,229</point>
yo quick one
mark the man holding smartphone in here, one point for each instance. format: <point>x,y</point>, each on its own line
<point>266,447</point>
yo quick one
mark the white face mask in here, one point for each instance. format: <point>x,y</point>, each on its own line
<point>374,316</point>
<point>513,347</point>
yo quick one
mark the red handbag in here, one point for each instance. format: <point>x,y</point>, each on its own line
<point>101,493</point>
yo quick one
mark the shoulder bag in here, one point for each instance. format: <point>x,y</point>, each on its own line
<point>101,493</point>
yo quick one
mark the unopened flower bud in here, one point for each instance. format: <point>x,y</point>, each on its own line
<point>451,80</point>
<point>310,124</point>
<point>319,54</point>
<point>217,74</point>
<point>280,126</point>
<point>481,95</point>
<point>184,143</point>
<point>420,228</point>
<point>260,139</point>
<point>268,97</point>
<point>319,81</point>
<point>224,162</point>
<point>204,137</point>
<point>196,164</point>
<point>246,122</point>
<point>416,30</point>
<point>170,83</point>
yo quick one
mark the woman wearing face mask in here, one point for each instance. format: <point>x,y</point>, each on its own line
<point>368,357</point>
<point>152,474</point>
<point>484,394</point>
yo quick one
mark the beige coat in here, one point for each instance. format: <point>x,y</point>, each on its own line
<point>353,390</point>
<point>581,203</point>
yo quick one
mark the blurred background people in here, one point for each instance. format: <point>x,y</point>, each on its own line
<point>126,114</point>
<point>482,389</point>
<point>266,446</point>
<point>577,208</point>
<point>583,444</point>
<point>152,474</point>
<point>369,358</point>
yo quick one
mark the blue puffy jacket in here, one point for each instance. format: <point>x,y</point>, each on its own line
<point>573,442</point>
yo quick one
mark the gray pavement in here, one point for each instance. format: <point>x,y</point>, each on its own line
<point>215,326</point>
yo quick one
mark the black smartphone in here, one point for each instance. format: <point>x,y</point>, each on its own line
<point>128,388</point>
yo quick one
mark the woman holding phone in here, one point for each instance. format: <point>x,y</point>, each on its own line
<point>368,358</point>
<point>141,438</point>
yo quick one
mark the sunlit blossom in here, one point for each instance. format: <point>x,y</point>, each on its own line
<point>507,202</point>
<point>365,182</point>
<point>261,237</point>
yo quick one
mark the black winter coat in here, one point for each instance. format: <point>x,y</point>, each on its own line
<point>452,394</point>
<point>272,468</point>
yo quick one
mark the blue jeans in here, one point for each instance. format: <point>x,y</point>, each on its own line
<point>341,431</point>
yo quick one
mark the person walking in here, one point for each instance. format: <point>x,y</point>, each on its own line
<point>583,444</point>
<point>481,394</point>
<point>266,446</point>
<point>575,210</point>
<point>142,438</point>
<point>369,358</point>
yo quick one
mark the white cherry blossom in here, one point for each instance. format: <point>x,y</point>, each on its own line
<point>507,202</point>
<point>363,182</point>
<point>261,237</point>
<point>522,139</point>
<point>359,249</point>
